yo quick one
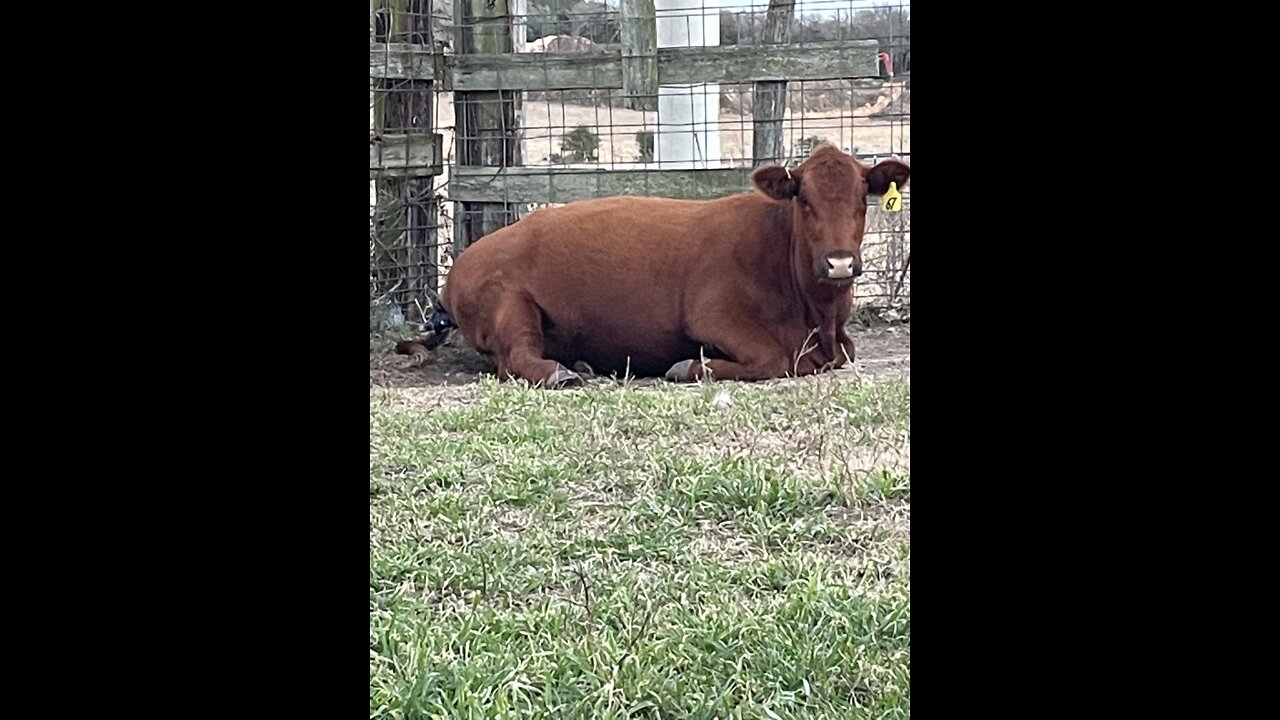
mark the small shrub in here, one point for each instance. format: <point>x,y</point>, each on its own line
<point>579,145</point>
<point>645,138</point>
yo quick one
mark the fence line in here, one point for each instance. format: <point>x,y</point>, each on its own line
<point>482,110</point>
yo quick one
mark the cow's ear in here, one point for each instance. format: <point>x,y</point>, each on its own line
<point>881,174</point>
<point>776,182</point>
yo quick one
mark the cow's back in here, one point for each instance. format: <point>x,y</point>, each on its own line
<point>614,277</point>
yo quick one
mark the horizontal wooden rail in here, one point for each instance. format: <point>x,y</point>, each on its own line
<point>406,155</point>
<point>557,184</point>
<point>729,64</point>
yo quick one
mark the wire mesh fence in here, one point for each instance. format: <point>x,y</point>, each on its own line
<point>482,110</point>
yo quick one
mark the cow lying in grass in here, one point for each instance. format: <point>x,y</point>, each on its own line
<point>748,287</point>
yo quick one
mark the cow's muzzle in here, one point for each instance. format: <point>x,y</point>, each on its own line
<point>839,267</point>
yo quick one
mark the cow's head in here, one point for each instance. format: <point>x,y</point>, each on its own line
<point>829,193</point>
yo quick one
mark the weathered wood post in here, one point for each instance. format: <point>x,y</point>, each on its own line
<point>769,104</point>
<point>487,128</point>
<point>404,153</point>
<point>639,55</point>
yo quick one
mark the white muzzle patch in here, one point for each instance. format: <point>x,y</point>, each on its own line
<point>840,267</point>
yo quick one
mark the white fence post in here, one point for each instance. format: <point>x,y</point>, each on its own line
<point>688,134</point>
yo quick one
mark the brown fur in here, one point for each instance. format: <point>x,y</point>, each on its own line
<point>643,284</point>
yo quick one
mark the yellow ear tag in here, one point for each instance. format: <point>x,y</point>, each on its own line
<point>892,200</point>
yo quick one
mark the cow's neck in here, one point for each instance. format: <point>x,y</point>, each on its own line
<point>821,302</point>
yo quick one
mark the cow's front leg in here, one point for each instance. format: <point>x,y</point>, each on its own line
<point>834,350</point>
<point>755,354</point>
<point>844,348</point>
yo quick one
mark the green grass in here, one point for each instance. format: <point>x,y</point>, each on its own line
<point>638,553</point>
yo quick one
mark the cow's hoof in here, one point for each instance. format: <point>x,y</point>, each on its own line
<point>564,377</point>
<point>680,371</point>
<point>584,368</point>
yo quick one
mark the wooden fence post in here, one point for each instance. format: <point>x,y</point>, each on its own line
<point>639,55</point>
<point>407,211</point>
<point>487,129</point>
<point>769,104</point>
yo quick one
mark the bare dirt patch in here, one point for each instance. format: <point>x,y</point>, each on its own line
<point>882,353</point>
<point>453,363</point>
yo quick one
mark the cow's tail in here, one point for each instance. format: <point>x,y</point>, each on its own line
<point>441,322</point>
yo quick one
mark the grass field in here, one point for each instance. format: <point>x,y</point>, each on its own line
<point>648,551</point>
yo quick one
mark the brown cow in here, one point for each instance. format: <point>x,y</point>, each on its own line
<point>747,287</point>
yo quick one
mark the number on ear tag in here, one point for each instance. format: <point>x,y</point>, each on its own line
<point>892,199</point>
